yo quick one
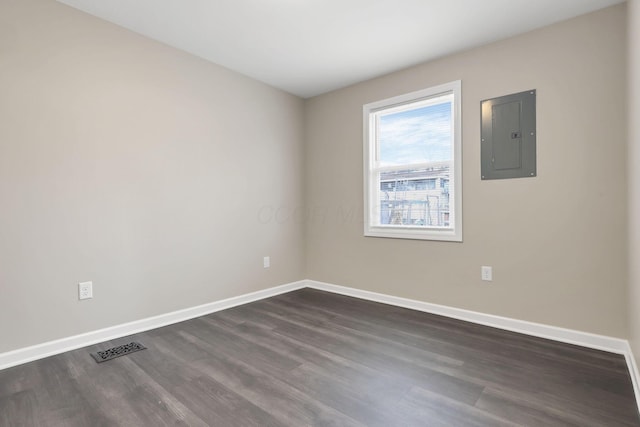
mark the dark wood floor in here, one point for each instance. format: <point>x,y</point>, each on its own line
<point>310,358</point>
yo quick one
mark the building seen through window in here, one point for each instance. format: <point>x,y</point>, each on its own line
<point>415,197</point>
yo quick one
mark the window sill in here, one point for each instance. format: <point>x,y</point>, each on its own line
<point>413,234</point>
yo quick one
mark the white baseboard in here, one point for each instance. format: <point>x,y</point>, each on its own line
<point>635,374</point>
<point>585,339</point>
<point>28,354</point>
<point>570,336</point>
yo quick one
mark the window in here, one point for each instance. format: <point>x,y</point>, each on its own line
<point>412,165</point>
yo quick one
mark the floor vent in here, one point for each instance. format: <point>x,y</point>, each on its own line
<point>121,350</point>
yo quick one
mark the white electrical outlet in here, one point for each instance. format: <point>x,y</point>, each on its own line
<point>486,273</point>
<point>266,262</point>
<point>85,290</point>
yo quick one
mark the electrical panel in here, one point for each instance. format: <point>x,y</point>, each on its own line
<point>508,137</point>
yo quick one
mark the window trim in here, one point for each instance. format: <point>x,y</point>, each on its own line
<point>400,232</point>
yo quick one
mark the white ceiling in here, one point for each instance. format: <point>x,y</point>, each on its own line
<point>308,47</point>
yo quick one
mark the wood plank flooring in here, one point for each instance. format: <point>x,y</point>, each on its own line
<point>311,358</point>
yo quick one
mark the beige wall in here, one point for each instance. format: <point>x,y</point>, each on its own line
<point>557,242</point>
<point>634,174</point>
<point>136,166</point>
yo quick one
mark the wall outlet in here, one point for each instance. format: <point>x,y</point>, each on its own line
<point>85,290</point>
<point>266,262</point>
<point>486,273</point>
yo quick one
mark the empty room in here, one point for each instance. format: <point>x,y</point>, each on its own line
<point>319,213</point>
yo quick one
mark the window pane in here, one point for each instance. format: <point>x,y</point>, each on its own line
<point>415,197</point>
<point>419,135</point>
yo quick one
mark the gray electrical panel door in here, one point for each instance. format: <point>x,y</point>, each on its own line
<point>508,146</point>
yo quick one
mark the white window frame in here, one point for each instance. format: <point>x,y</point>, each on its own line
<point>371,169</point>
